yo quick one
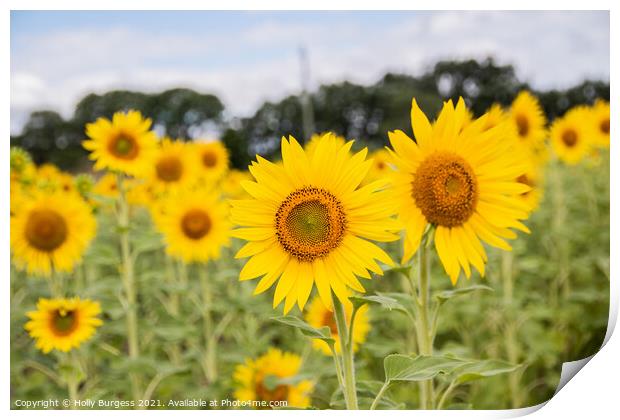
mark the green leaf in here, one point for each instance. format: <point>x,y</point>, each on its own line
<point>400,367</point>
<point>366,393</point>
<point>385,301</point>
<point>405,300</point>
<point>482,369</point>
<point>309,331</point>
<point>445,295</point>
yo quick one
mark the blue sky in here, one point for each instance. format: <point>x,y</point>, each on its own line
<point>248,57</point>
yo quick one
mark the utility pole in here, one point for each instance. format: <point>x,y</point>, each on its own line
<point>307,112</point>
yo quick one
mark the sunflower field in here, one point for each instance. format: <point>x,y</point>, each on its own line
<point>457,268</point>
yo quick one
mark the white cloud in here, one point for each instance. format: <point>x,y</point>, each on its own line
<point>549,49</point>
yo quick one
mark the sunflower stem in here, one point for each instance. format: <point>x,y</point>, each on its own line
<point>210,355</point>
<point>379,395</point>
<point>423,327</point>
<point>510,340</point>
<point>346,350</point>
<point>127,274</point>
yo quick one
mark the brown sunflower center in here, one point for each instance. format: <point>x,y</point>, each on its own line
<point>169,169</point>
<point>310,223</point>
<point>46,230</point>
<point>196,224</point>
<point>124,146</point>
<point>445,189</point>
<point>63,322</point>
<point>209,159</point>
<point>278,393</point>
<point>523,125</point>
<point>330,321</point>
<point>604,126</point>
<point>569,138</point>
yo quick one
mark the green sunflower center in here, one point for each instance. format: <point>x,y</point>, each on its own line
<point>604,126</point>
<point>169,169</point>
<point>196,224</point>
<point>124,147</point>
<point>63,322</point>
<point>570,138</point>
<point>209,159</point>
<point>46,230</point>
<point>445,189</point>
<point>523,125</point>
<point>310,223</point>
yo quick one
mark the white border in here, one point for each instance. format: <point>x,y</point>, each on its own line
<point>592,393</point>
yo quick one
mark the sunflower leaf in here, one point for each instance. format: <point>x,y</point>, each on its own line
<point>403,368</point>
<point>322,333</point>
<point>385,301</point>
<point>482,369</point>
<point>445,295</point>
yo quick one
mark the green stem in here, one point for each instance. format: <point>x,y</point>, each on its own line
<point>445,395</point>
<point>423,326</point>
<point>210,355</point>
<point>562,281</point>
<point>379,395</point>
<point>346,350</point>
<point>510,339</point>
<point>127,272</point>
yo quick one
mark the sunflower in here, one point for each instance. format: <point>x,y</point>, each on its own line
<point>311,144</point>
<point>231,184</point>
<point>529,120</point>
<point>22,167</point>
<point>173,166</point>
<point>600,119</point>
<point>319,316</point>
<point>571,135</point>
<point>107,186</point>
<point>195,225</point>
<point>533,178</point>
<point>308,222</point>
<point>462,182</point>
<point>213,159</point>
<point>272,378</point>
<point>381,166</point>
<point>124,144</point>
<point>51,231</point>
<point>63,324</point>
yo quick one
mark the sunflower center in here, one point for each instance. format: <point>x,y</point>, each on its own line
<point>330,321</point>
<point>604,126</point>
<point>46,230</point>
<point>310,223</point>
<point>523,125</point>
<point>196,224</point>
<point>169,169</point>
<point>569,137</point>
<point>63,322</point>
<point>209,159</point>
<point>445,189</point>
<point>124,147</point>
<point>279,393</point>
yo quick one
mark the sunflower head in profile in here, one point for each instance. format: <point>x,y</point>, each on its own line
<point>571,135</point>
<point>314,140</point>
<point>63,324</point>
<point>318,315</point>
<point>51,231</point>
<point>271,378</point>
<point>599,118</point>
<point>173,167</point>
<point>194,223</point>
<point>213,159</point>
<point>529,121</point>
<point>126,144</point>
<point>462,182</point>
<point>308,222</point>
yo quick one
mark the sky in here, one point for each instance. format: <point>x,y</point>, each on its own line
<point>246,58</point>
